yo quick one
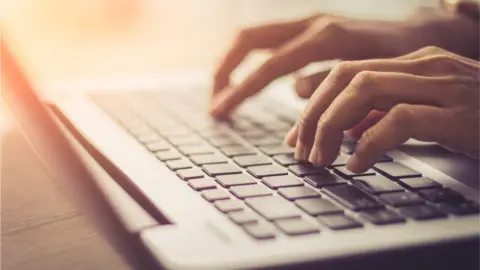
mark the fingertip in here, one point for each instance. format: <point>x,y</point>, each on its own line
<point>358,165</point>
<point>291,137</point>
<point>355,165</point>
<point>303,87</point>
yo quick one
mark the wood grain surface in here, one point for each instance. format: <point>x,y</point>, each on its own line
<point>41,229</point>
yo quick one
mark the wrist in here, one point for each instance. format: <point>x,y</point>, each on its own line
<point>453,32</point>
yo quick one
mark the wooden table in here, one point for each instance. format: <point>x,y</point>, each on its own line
<point>40,227</point>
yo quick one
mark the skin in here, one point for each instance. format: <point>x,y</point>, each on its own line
<point>395,81</point>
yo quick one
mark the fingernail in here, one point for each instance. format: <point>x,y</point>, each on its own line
<point>314,157</point>
<point>354,164</point>
<point>301,152</point>
<point>216,108</point>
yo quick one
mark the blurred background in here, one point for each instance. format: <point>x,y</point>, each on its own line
<point>73,39</point>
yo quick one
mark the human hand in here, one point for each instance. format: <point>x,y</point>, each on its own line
<point>429,95</point>
<point>322,37</point>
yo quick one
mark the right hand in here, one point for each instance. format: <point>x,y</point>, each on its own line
<point>322,37</point>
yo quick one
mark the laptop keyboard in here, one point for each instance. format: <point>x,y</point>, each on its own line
<point>242,168</point>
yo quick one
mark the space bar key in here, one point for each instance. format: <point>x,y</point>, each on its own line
<point>352,197</point>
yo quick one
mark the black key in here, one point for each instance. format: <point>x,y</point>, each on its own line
<point>229,205</point>
<point>348,148</point>
<point>208,159</point>
<point>185,140</point>
<point>168,155</point>
<point>420,212</point>
<point>440,195</point>
<point>196,149</point>
<point>235,180</point>
<point>158,146</point>
<point>318,206</point>
<point>273,207</point>
<point>343,171</point>
<point>221,169</point>
<point>287,160</point>
<point>395,170</point>
<point>296,226</point>
<point>243,217</point>
<point>222,141</point>
<point>460,208</point>
<point>341,160</point>
<point>251,160</point>
<point>266,170</point>
<point>202,184</point>
<point>178,164</point>
<point>307,169</point>
<point>419,182</point>
<point>259,231</point>
<point>382,217</point>
<point>385,158</point>
<point>190,174</point>
<point>339,222</point>
<point>293,193</point>
<point>352,197</point>
<point>215,195</point>
<point>277,150</point>
<point>282,181</point>
<point>322,180</point>
<point>401,198</point>
<point>376,184</point>
<point>265,141</point>
<point>249,191</point>
<point>237,150</point>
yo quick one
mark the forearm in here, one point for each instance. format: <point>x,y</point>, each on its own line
<point>451,30</point>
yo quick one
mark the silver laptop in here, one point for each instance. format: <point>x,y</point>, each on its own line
<point>172,188</point>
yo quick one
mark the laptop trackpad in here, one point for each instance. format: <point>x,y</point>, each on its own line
<point>457,166</point>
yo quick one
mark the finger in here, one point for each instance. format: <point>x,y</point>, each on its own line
<point>259,37</point>
<point>306,85</point>
<point>291,57</point>
<point>379,91</point>
<point>420,62</point>
<point>400,124</point>
<point>336,81</point>
<point>371,119</point>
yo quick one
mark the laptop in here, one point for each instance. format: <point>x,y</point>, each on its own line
<point>172,188</point>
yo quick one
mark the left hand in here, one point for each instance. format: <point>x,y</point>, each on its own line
<point>429,95</point>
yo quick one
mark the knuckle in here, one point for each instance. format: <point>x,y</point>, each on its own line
<point>400,115</point>
<point>363,81</point>
<point>439,63</point>
<point>244,35</point>
<point>268,68</point>
<point>329,25</point>
<point>341,71</point>
<point>431,49</point>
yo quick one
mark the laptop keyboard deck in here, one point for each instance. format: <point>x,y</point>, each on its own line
<point>243,169</point>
